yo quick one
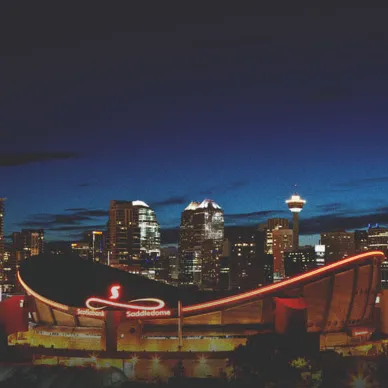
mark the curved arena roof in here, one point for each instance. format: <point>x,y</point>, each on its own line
<point>63,282</point>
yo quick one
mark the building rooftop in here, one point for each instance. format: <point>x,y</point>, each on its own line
<point>192,205</point>
<point>206,203</point>
<point>70,280</point>
<point>139,203</point>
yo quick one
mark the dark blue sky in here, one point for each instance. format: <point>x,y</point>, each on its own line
<point>172,105</point>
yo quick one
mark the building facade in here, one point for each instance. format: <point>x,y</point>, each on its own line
<point>96,242</point>
<point>3,265</point>
<point>378,239</point>
<point>361,241</point>
<point>81,249</point>
<point>271,224</point>
<point>25,244</point>
<point>200,244</point>
<point>282,243</point>
<point>2,211</point>
<point>133,232</point>
<point>338,245</point>
<point>190,268</point>
<point>299,261</point>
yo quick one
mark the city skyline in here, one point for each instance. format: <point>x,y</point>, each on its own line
<point>236,107</point>
<point>78,218</point>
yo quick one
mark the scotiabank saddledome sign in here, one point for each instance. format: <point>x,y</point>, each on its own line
<point>137,308</point>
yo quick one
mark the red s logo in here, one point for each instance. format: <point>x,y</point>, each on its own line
<point>114,292</point>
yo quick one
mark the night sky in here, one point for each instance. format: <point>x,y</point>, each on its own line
<point>168,105</point>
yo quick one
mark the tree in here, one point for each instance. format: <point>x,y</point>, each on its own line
<point>265,358</point>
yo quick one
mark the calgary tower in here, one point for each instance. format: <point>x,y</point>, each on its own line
<point>295,204</point>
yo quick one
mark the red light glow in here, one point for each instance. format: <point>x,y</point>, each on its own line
<point>278,286</point>
<point>132,305</point>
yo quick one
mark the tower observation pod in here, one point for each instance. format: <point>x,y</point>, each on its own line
<point>295,204</point>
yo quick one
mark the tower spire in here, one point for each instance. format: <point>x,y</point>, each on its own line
<point>295,204</point>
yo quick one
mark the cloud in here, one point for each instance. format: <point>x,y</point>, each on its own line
<point>355,183</point>
<point>171,201</point>
<point>234,185</point>
<point>14,159</point>
<point>340,221</point>
<point>78,228</point>
<point>331,207</point>
<point>257,217</point>
<point>85,184</point>
<point>72,217</point>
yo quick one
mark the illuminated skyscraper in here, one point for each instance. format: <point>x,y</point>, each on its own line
<point>302,260</point>
<point>1,229</point>
<point>201,239</point>
<point>96,242</point>
<point>81,249</point>
<point>282,242</point>
<point>3,265</point>
<point>337,245</point>
<point>361,240</point>
<point>274,223</point>
<point>188,254</point>
<point>295,204</point>
<point>378,240</point>
<point>133,232</point>
<point>25,244</point>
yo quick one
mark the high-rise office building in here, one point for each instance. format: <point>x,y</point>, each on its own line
<point>265,260</point>
<point>295,204</point>
<point>170,257</point>
<point>200,245</point>
<point>282,242</point>
<point>81,249</point>
<point>27,243</point>
<point>190,268</point>
<point>96,242</point>
<point>320,255</point>
<point>337,245</point>
<point>3,274</point>
<point>246,272</point>
<point>378,240</point>
<point>299,261</point>
<point>273,223</point>
<point>133,232</point>
<point>361,240</point>
<point>8,280</point>
<point>225,277</point>
<point>276,223</point>
<point>1,229</point>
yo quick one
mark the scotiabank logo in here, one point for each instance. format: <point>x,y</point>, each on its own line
<point>146,313</point>
<point>90,313</point>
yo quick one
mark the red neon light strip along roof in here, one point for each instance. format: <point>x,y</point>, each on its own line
<point>280,285</point>
<point>40,297</point>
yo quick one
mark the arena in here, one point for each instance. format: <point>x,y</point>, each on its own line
<point>75,305</point>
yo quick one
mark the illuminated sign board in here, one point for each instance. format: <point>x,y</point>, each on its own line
<point>364,332</point>
<point>137,308</point>
<point>148,314</point>
<point>114,292</point>
<point>90,313</point>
